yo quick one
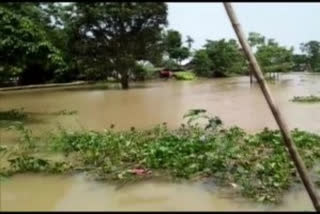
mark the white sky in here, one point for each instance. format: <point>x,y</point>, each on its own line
<point>288,23</point>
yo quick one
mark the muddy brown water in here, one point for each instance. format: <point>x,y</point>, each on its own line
<point>234,100</point>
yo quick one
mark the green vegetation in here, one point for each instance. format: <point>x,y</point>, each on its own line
<point>312,50</point>
<point>306,99</point>
<point>173,46</point>
<point>300,62</point>
<point>18,117</point>
<point>54,42</point>
<point>256,165</point>
<point>25,49</point>
<point>12,116</point>
<point>84,48</point>
<point>66,112</point>
<point>219,59</point>
<point>184,75</point>
<point>145,72</point>
<point>109,38</point>
<point>272,57</point>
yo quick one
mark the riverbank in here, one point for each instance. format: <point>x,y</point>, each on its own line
<point>187,76</point>
<point>51,85</point>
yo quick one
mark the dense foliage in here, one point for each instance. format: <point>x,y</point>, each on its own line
<point>300,62</point>
<point>255,165</point>
<point>272,57</point>
<point>111,37</point>
<point>219,58</point>
<point>54,42</point>
<point>174,46</point>
<point>26,54</point>
<point>312,50</point>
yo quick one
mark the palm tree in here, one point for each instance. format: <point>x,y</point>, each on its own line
<point>189,41</point>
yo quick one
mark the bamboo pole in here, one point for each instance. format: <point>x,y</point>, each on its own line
<point>299,164</point>
<point>251,71</point>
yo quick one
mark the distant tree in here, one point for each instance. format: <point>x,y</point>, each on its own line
<point>225,57</point>
<point>299,61</point>
<point>272,42</point>
<point>173,40</point>
<point>256,39</point>
<point>271,56</point>
<point>174,48</point>
<point>274,58</point>
<point>114,35</point>
<point>202,63</point>
<point>312,50</point>
<point>31,10</point>
<point>180,54</point>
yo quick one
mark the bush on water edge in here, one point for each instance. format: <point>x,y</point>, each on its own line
<point>17,117</point>
<point>184,75</point>
<point>256,165</point>
<point>306,99</point>
<point>13,115</point>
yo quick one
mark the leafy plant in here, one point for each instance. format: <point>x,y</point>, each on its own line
<point>32,164</point>
<point>27,141</point>
<point>184,75</point>
<point>257,165</point>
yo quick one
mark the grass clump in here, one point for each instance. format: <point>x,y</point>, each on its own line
<point>66,112</point>
<point>184,75</point>
<point>257,165</point>
<point>306,99</point>
<point>13,115</point>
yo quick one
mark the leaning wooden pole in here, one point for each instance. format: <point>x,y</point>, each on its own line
<point>251,71</point>
<point>275,111</point>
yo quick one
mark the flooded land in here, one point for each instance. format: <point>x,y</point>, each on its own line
<point>233,100</point>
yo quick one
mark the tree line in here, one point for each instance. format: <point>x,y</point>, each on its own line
<point>54,42</point>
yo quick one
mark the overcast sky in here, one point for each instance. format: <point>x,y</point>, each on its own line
<point>288,23</point>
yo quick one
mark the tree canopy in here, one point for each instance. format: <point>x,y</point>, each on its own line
<point>25,48</point>
<point>312,50</point>
<point>219,58</point>
<point>174,46</point>
<point>54,42</point>
<point>274,58</point>
<point>111,37</point>
<point>271,56</point>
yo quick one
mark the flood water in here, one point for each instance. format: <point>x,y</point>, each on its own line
<point>76,193</point>
<point>234,100</point>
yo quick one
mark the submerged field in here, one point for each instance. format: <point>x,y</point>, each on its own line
<point>239,155</point>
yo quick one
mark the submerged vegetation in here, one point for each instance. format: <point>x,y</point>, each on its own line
<point>255,165</point>
<point>66,112</point>
<point>12,116</point>
<point>18,117</point>
<point>184,75</point>
<point>306,99</point>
